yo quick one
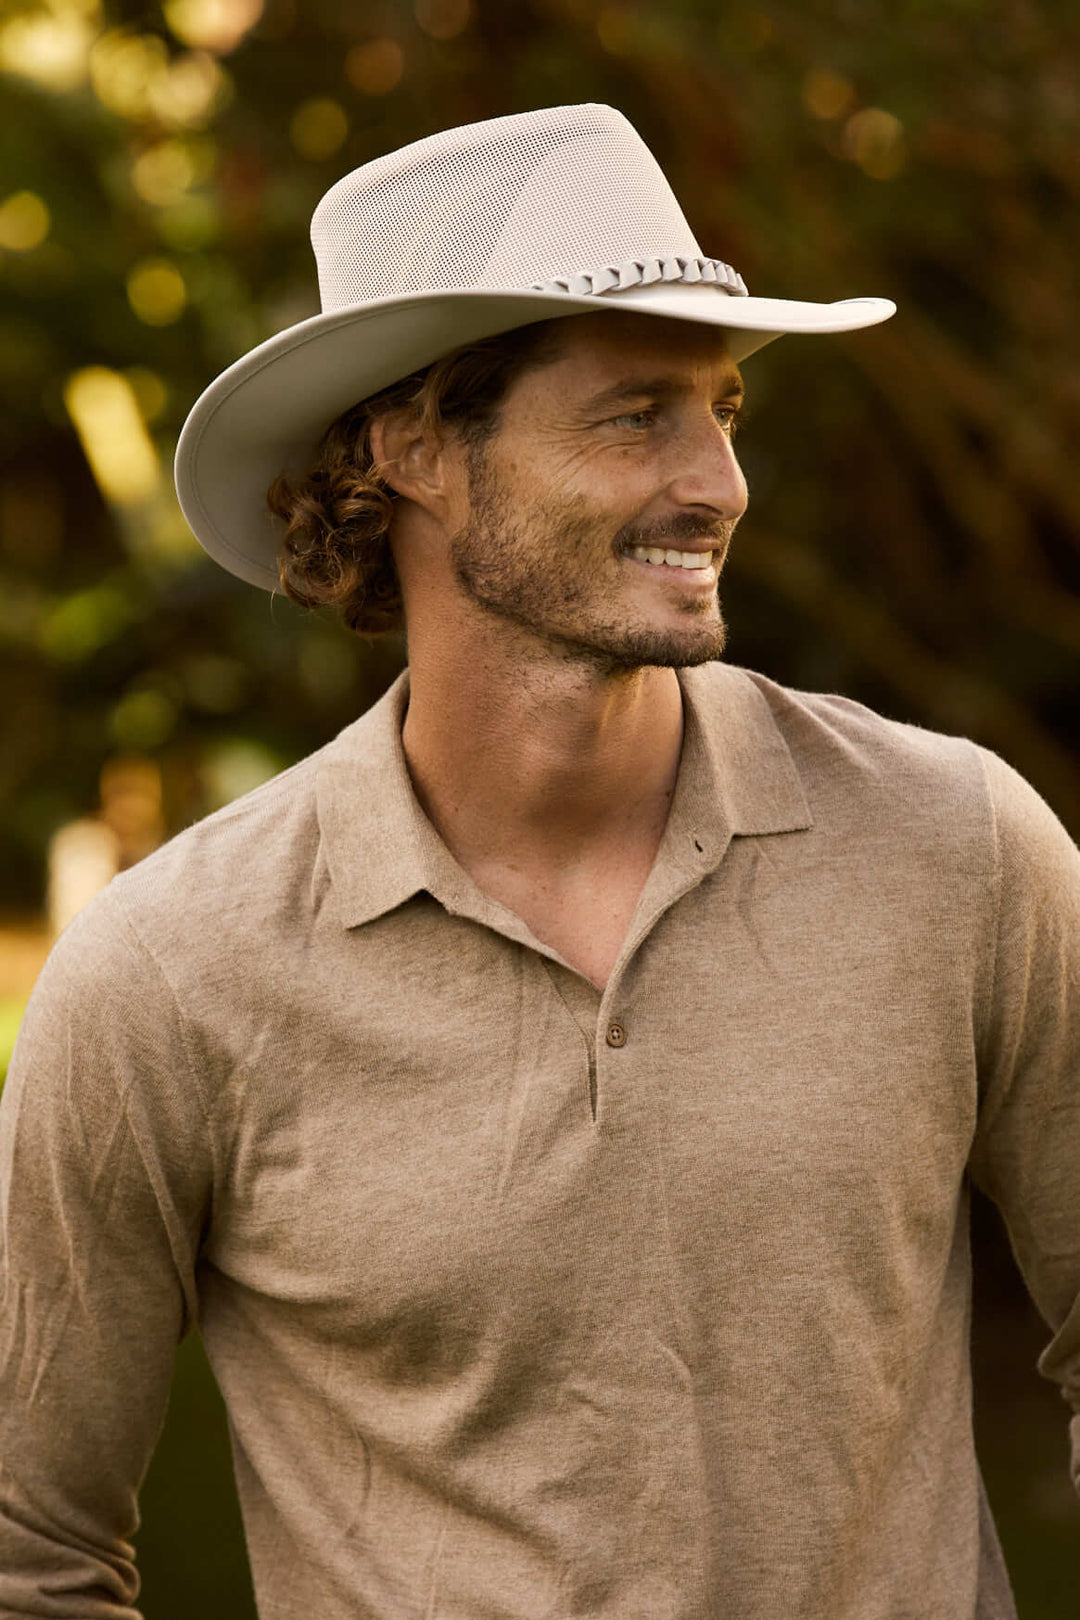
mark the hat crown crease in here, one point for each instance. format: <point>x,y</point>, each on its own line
<point>529,201</point>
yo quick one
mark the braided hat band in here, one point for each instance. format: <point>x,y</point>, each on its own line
<point>644,273</point>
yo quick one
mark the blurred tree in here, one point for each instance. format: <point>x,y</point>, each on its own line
<point>912,537</point>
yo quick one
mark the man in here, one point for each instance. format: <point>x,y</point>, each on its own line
<point>556,1098</point>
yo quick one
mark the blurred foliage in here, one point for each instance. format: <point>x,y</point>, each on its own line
<point>912,533</point>
<point>11,1011</point>
<point>912,536</point>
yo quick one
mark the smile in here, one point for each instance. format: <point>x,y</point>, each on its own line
<point>696,560</point>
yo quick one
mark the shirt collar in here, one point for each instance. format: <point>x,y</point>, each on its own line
<point>736,778</point>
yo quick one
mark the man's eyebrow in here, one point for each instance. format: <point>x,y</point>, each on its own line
<point>731,386</point>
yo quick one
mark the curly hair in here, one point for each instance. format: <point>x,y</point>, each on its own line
<point>335,550</point>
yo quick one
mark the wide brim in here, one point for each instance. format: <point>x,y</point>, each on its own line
<point>266,414</point>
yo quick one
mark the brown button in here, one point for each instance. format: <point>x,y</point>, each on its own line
<point>616,1035</point>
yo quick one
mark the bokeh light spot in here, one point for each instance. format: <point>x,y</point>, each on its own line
<point>826,94</point>
<point>122,69</point>
<point>132,75</point>
<point>189,91</point>
<point>191,223</point>
<point>874,139</point>
<point>443,19</point>
<point>49,47</point>
<point>318,128</point>
<point>24,222</point>
<point>104,409</point>
<point>237,765</point>
<point>84,622</point>
<point>144,719</point>
<point>151,391</point>
<point>375,68</point>
<point>212,25</point>
<point>156,292</point>
<point>84,856</point>
<point>11,1013</point>
<point>162,174</point>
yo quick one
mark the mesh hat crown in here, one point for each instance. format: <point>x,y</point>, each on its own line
<point>457,237</point>
<point>538,201</point>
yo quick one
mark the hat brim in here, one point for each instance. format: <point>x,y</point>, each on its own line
<point>267,413</point>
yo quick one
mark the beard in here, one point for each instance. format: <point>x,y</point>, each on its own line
<point>553,571</point>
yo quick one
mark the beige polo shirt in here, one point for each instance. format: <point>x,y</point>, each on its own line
<point>528,1301</point>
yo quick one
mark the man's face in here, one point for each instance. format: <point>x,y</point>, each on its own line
<point>601,510</point>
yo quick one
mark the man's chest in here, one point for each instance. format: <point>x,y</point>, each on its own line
<point>424,1151</point>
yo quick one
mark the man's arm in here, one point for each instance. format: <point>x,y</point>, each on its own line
<point>1026,1154</point>
<point>104,1183</point>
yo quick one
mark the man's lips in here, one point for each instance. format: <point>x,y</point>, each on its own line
<point>668,552</point>
<point>673,536</point>
<point>692,567</point>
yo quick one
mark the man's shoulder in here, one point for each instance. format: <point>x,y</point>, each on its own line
<point>860,767</point>
<point>249,847</point>
<point>194,915</point>
<point>830,724</point>
<point>867,775</point>
<point>238,877</point>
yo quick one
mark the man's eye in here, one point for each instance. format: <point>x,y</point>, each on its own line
<point>729,416</point>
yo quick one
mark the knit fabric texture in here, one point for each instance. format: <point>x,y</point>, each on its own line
<point>528,1300</point>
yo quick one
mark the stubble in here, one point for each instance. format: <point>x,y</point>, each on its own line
<point>545,573</point>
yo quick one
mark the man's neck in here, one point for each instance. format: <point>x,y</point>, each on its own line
<point>541,766</point>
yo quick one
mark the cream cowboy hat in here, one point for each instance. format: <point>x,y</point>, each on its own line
<point>458,237</point>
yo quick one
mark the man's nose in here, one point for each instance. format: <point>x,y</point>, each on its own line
<point>707,471</point>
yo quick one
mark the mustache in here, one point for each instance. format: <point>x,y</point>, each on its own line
<point>681,526</point>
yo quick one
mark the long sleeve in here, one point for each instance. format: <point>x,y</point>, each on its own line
<point>1026,1153</point>
<point>104,1182</point>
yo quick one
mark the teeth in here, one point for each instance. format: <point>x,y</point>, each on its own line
<point>673,559</point>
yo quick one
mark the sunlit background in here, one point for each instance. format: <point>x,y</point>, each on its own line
<point>915,507</point>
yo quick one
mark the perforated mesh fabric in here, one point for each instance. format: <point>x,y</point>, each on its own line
<point>510,203</point>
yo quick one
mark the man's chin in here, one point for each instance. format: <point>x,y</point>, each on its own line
<point>622,651</point>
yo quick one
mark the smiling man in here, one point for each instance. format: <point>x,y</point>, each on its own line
<point>557,1099</point>
<point>576,450</point>
<point>555,575</point>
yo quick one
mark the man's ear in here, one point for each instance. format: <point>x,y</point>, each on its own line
<point>411,460</point>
